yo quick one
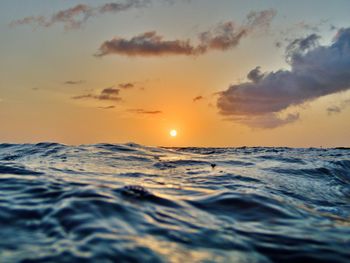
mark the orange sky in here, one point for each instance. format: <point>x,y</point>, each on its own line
<point>55,88</point>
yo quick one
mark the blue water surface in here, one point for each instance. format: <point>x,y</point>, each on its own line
<point>131,203</point>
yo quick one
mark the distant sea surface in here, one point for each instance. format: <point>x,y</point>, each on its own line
<point>131,203</point>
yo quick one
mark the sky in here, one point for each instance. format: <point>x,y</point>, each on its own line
<point>221,73</point>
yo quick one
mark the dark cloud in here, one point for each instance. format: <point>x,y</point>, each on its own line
<point>147,44</point>
<point>142,111</point>
<point>110,91</point>
<point>107,107</point>
<point>228,35</point>
<point>338,108</point>
<point>126,85</point>
<point>109,94</point>
<point>315,71</point>
<point>223,36</point>
<point>74,82</point>
<point>85,96</point>
<point>75,17</point>
<point>300,46</point>
<point>198,98</point>
<point>255,75</point>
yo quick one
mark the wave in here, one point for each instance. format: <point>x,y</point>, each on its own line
<point>8,169</point>
<point>132,203</point>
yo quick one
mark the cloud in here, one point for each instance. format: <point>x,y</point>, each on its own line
<point>228,35</point>
<point>73,82</point>
<point>315,71</point>
<point>142,111</point>
<point>333,109</point>
<point>39,20</point>
<point>255,75</point>
<point>126,85</point>
<point>308,26</point>
<point>338,108</point>
<point>222,37</point>
<point>266,121</point>
<point>110,91</point>
<point>118,7</point>
<point>198,98</point>
<point>147,44</point>
<point>109,94</point>
<point>260,20</point>
<point>278,44</point>
<point>75,17</point>
<point>107,107</point>
<point>300,46</point>
<point>289,34</point>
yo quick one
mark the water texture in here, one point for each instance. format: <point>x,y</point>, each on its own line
<point>131,203</point>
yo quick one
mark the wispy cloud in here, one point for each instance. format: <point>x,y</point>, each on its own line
<point>147,44</point>
<point>266,121</point>
<point>198,98</point>
<point>74,82</point>
<point>338,108</point>
<point>127,85</point>
<point>76,16</point>
<point>307,27</point>
<point>143,111</point>
<point>315,71</point>
<point>228,35</point>
<point>223,36</point>
<point>109,94</point>
<point>107,107</point>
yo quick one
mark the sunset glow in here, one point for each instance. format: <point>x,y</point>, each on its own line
<point>73,74</point>
<point>173,133</point>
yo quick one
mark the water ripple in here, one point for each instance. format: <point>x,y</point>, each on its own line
<point>132,203</point>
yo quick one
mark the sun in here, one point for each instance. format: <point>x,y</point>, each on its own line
<point>173,133</point>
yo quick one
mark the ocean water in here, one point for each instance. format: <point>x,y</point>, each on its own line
<point>131,203</point>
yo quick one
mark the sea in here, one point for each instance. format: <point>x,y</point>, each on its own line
<point>133,203</point>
